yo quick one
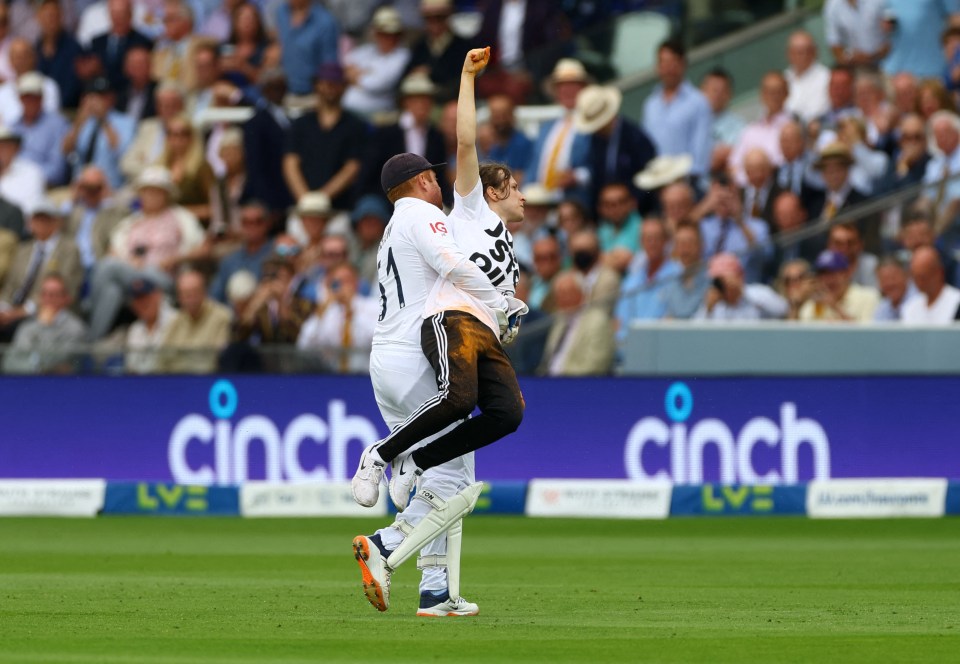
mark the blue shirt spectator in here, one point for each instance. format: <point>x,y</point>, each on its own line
<point>93,142</point>
<point>915,40</point>
<point>681,124</point>
<point>255,249</point>
<point>307,43</point>
<point>42,142</point>
<point>648,276</point>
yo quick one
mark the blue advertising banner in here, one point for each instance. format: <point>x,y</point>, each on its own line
<point>728,431</point>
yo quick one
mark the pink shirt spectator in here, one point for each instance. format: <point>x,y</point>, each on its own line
<point>154,241</point>
<point>763,134</point>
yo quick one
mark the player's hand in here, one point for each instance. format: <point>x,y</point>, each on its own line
<point>516,310</point>
<point>476,60</point>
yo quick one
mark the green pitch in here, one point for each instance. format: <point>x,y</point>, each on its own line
<point>156,590</point>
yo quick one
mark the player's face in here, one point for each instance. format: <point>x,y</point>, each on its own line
<point>511,208</point>
<point>434,195</point>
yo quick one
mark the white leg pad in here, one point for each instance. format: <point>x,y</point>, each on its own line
<point>438,520</point>
<point>454,540</point>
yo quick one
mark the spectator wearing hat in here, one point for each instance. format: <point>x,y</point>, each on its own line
<point>438,52</point>
<point>48,251</point>
<point>308,35</point>
<point>23,59</point>
<point>112,48</point>
<point>264,138</point>
<point>508,145</point>
<point>369,219</point>
<point>834,165</point>
<point>100,135</point>
<point>373,70</point>
<point>151,133</point>
<point>561,155</point>
<point>936,303</point>
<point>93,216</point>
<point>732,297</point>
<point>619,148</point>
<point>148,244</point>
<point>58,52</point>
<point>648,276</point>
<point>308,224</point>
<point>255,248</point>
<point>42,343</point>
<point>136,94</point>
<point>413,132</point>
<point>341,327</point>
<point>41,132</point>
<point>539,208</point>
<point>21,180</point>
<point>175,51</point>
<point>835,296</point>
<point>198,332</point>
<point>334,170</point>
<point>145,335</point>
<point>676,115</point>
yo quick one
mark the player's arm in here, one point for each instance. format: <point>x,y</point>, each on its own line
<point>468,164</point>
<point>442,253</point>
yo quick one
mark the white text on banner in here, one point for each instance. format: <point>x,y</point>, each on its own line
<point>876,498</point>
<point>613,499</point>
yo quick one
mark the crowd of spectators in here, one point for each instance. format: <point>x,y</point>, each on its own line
<point>186,183</point>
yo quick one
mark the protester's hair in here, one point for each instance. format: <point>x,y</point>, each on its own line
<point>497,176</point>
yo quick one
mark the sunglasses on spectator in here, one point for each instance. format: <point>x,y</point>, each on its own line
<point>286,250</point>
<point>912,137</point>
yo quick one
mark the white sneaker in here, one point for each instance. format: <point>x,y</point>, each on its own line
<point>365,485</point>
<point>375,575</point>
<point>403,477</point>
<point>451,608</point>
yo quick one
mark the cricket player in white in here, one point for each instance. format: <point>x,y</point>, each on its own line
<point>480,229</point>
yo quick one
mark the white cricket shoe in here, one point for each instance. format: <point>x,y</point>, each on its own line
<point>449,608</point>
<point>365,485</point>
<point>403,477</point>
<point>373,571</point>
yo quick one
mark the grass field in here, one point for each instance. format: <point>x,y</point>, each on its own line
<point>155,590</point>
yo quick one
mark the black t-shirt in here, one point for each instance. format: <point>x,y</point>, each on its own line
<point>324,152</point>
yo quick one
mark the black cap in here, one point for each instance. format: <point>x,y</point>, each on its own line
<point>141,287</point>
<point>400,168</point>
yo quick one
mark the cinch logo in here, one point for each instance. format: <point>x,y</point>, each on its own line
<point>687,443</point>
<point>220,448</point>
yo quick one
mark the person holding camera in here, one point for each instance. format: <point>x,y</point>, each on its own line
<point>730,229</point>
<point>341,328</point>
<point>729,297</point>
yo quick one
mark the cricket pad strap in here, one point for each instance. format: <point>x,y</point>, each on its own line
<point>423,562</point>
<point>438,520</point>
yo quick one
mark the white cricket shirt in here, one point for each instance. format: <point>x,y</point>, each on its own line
<point>416,252</point>
<point>484,238</point>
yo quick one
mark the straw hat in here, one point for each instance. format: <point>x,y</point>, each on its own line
<point>417,84</point>
<point>314,204</point>
<point>567,70</point>
<point>387,19</point>
<point>536,194</point>
<point>157,177</point>
<point>835,151</point>
<point>663,170</point>
<point>596,106</point>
